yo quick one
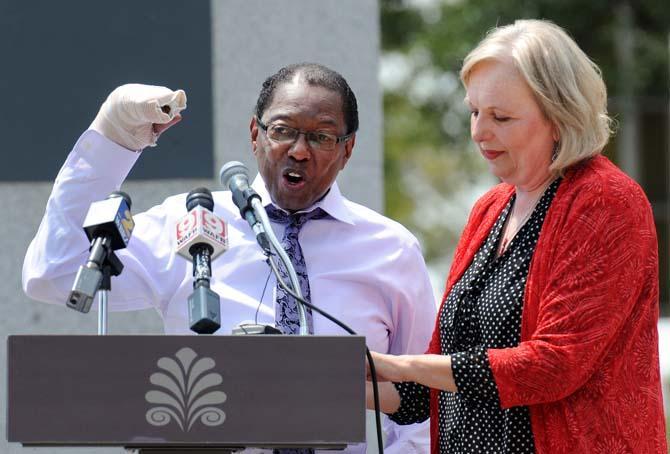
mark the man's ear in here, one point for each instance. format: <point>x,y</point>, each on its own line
<point>349,149</point>
<point>253,130</point>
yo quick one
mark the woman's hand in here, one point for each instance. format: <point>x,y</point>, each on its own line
<point>389,398</point>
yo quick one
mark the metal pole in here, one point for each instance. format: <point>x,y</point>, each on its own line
<point>259,210</point>
<point>102,312</point>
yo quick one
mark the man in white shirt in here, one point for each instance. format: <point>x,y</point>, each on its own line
<point>363,268</point>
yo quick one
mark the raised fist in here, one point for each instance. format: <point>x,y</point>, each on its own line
<point>130,112</point>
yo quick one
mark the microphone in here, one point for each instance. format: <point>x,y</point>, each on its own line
<point>201,236</point>
<point>233,175</point>
<point>201,225</point>
<point>108,226</point>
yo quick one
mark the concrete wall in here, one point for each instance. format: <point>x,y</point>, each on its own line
<point>250,40</point>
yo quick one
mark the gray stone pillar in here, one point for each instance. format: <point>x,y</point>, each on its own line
<point>252,39</point>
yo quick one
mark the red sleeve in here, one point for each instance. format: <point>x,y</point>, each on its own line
<point>599,267</point>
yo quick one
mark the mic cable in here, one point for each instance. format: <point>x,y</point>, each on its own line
<point>373,371</point>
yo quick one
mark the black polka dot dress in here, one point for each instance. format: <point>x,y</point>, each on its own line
<point>482,311</point>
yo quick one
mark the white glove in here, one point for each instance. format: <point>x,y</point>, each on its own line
<point>128,114</point>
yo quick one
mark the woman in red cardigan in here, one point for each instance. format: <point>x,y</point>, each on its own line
<point>546,339</point>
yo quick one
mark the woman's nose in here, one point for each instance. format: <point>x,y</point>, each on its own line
<point>478,129</point>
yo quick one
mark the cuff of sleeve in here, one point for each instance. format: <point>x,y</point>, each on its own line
<point>473,376</point>
<point>414,403</point>
<point>505,364</point>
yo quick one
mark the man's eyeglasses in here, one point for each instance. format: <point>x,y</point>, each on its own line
<point>317,140</point>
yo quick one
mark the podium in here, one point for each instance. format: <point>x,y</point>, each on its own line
<point>186,394</point>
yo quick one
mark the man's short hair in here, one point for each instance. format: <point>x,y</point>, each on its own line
<point>316,75</point>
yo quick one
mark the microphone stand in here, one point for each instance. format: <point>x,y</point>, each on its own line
<point>111,266</point>
<point>296,292</point>
<point>261,215</point>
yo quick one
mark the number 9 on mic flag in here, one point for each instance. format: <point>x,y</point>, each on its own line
<point>201,226</point>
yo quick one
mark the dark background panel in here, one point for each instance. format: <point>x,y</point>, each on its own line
<point>60,60</point>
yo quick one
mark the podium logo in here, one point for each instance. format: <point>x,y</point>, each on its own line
<point>187,392</point>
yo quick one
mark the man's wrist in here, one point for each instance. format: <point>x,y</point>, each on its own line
<point>116,134</point>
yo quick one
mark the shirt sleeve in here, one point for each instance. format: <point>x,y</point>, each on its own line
<point>95,167</point>
<point>473,375</point>
<point>415,312</point>
<point>414,403</point>
<point>593,287</point>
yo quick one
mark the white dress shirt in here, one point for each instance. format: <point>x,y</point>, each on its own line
<point>364,268</point>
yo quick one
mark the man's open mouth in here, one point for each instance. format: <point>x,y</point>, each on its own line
<point>293,178</point>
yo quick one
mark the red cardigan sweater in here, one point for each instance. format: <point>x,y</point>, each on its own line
<point>587,364</point>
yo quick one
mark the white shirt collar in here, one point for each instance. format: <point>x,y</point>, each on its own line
<point>332,203</point>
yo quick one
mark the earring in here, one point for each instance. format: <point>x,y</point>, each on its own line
<point>554,152</point>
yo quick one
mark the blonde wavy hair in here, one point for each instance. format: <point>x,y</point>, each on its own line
<point>567,85</point>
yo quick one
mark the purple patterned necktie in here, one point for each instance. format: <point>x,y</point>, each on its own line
<point>286,315</point>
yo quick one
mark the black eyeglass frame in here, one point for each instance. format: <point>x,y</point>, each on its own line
<point>338,139</point>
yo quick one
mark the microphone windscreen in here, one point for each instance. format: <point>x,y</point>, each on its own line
<point>231,169</point>
<point>200,196</point>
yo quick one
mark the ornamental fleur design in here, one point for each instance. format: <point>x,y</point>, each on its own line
<point>186,392</point>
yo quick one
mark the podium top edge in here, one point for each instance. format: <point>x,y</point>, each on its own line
<point>188,336</point>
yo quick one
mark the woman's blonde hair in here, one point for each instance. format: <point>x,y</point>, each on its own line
<point>567,85</point>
